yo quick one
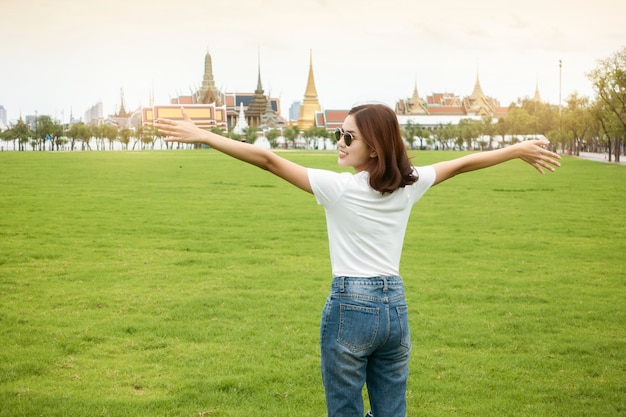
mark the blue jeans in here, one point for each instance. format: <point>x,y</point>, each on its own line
<point>365,339</point>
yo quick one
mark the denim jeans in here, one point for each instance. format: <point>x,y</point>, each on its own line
<point>365,339</point>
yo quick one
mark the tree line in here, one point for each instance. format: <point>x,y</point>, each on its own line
<point>49,134</point>
<point>581,123</point>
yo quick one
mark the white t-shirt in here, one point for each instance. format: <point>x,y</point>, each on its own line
<point>365,227</point>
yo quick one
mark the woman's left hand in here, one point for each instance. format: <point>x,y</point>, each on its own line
<point>534,153</point>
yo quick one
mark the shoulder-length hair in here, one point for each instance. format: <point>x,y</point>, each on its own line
<point>379,128</point>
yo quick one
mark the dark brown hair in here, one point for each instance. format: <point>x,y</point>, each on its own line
<point>391,168</point>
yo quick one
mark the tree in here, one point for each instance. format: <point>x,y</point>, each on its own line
<point>447,134</point>
<point>487,130</point>
<point>519,123</point>
<point>97,132</point>
<point>78,132</point>
<point>124,137</point>
<point>469,131</point>
<point>315,132</point>
<point>272,137</point>
<point>110,133</point>
<point>291,133</point>
<point>413,132</point>
<point>251,133</point>
<point>47,130</point>
<point>610,128</point>
<point>609,83</point>
<point>147,135</point>
<point>21,132</point>
<point>410,132</point>
<point>576,122</point>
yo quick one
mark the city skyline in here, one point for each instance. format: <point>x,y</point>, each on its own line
<point>71,55</point>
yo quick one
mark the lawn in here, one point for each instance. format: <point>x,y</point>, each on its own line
<point>183,283</point>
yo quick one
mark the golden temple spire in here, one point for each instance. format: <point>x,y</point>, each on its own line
<point>310,104</point>
<point>415,98</point>
<point>311,92</point>
<point>478,91</point>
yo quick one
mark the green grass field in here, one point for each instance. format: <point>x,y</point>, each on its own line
<point>184,283</point>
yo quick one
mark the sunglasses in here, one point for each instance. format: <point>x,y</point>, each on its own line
<point>347,136</point>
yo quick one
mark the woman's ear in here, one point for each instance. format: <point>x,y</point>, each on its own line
<point>373,154</point>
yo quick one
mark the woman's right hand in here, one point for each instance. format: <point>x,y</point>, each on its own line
<point>184,131</point>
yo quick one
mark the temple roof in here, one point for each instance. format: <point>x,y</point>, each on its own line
<point>478,91</point>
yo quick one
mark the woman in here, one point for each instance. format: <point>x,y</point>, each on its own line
<point>364,331</point>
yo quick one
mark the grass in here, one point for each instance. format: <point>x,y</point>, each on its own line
<point>183,283</point>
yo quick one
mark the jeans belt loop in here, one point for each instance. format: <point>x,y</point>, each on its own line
<point>342,284</point>
<point>385,287</point>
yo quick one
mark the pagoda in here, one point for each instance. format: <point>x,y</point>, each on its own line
<point>258,104</point>
<point>122,112</point>
<point>208,92</point>
<point>242,125</point>
<point>270,119</point>
<point>310,104</point>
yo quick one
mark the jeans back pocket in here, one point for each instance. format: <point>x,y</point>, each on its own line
<point>358,327</point>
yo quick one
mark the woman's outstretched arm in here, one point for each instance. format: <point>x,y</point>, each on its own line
<point>185,131</point>
<point>530,151</point>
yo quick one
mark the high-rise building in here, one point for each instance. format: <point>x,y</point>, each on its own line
<point>94,115</point>
<point>294,111</point>
<point>3,117</point>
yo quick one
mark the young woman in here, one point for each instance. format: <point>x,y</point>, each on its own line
<point>364,330</point>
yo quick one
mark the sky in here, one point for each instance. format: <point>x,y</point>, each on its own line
<point>60,57</point>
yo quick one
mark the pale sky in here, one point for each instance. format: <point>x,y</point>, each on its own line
<point>59,56</point>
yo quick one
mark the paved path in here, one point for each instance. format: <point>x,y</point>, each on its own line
<point>600,157</point>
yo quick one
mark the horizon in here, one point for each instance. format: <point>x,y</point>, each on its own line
<point>72,54</point>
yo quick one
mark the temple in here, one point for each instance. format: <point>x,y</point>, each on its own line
<point>259,110</point>
<point>237,111</point>
<point>123,118</point>
<point>448,104</point>
<point>413,105</point>
<point>258,103</point>
<point>208,92</point>
<point>310,104</point>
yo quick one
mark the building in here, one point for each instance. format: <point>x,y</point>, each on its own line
<point>258,103</point>
<point>310,105</point>
<point>205,116</point>
<point>294,111</point>
<point>94,116</point>
<point>124,119</point>
<point>448,104</point>
<point>208,92</point>
<point>258,108</point>
<point>242,124</point>
<point>330,119</point>
<point>3,118</point>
